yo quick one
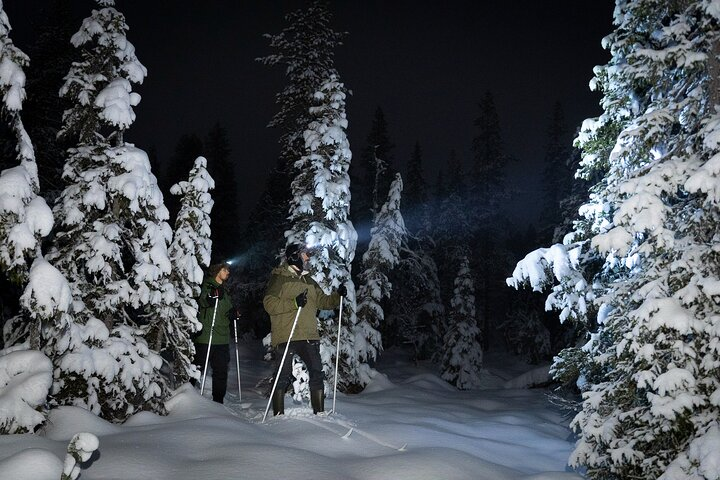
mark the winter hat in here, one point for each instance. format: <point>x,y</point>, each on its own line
<point>292,255</point>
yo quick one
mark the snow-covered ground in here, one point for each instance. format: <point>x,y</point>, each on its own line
<point>407,424</point>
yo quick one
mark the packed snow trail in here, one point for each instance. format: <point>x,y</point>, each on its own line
<point>490,434</point>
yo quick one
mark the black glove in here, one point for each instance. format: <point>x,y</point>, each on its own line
<point>216,293</point>
<point>342,290</point>
<point>238,313</point>
<point>301,300</point>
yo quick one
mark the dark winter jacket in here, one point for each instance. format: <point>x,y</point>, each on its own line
<point>284,285</point>
<point>221,333</point>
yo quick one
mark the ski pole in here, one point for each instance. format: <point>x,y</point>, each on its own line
<point>337,354</point>
<point>282,362</point>
<point>237,360</point>
<point>207,357</point>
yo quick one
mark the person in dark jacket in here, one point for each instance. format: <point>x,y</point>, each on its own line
<point>213,292</point>
<point>290,288</point>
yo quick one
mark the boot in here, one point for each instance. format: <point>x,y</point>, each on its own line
<point>278,402</point>
<point>317,400</point>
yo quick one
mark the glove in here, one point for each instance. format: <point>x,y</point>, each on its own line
<point>238,313</point>
<point>301,300</point>
<point>216,293</point>
<point>342,290</point>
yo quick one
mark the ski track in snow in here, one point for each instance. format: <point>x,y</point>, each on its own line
<point>408,424</point>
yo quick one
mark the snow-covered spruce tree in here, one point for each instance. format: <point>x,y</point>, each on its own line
<point>319,216</point>
<point>451,227</point>
<point>187,149</point>
<point>52,54</point>
<point>416,312</point>
<point>370,183</point>
<point>652,396</point>
<point>382,256</point>
<point>24,216</point>
<point>415,196</point>
<point>112,235</point>
<point>487,193</point>
<point>189,252</point>
<point>225,217</point>
<point>26,374</point>
<point>462,356</point>
<point>306,49</point>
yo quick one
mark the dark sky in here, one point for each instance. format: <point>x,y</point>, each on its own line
<point>425,63</point>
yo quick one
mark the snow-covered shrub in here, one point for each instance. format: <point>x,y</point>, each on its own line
<point>25,381</point>
<point>79,450</point>
<point>526,335</point>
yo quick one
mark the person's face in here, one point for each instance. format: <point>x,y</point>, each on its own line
<point>222,275</point>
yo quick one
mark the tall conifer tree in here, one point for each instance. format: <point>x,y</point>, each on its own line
<point>306,49</point>
<point>112,236</point>
<point>382,256</point>
<point>641,266</point>
<point>487,192</point>
<point>319,213</point>
<point>226,232</point>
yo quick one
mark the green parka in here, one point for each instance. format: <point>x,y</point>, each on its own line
<point>285,284</point>
<point>221,333</point>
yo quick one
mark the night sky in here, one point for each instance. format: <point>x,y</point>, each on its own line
<point>425,63</point>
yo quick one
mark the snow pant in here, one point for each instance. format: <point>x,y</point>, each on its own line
<point>219,361</point>
<point>309,352</point>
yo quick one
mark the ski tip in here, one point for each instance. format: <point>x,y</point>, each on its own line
<point>347,435</point>
<point>403,448</point>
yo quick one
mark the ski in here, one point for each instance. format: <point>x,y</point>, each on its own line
<point>326,427</point>
<point>365,434</point>
<point>322,421</point>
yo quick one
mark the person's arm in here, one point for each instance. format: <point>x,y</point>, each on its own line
<point>327,302</point>
<point>275,304</point>
<point>203,300</point>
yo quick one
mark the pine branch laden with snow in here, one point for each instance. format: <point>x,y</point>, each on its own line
<point>462,357</point>
<point>562,268</point>
<point>24,216</point>
<point>100,84</point>
<point>651,404</point>
<point>319,214</point>
<point>382,256</point>
<point>189,252</point>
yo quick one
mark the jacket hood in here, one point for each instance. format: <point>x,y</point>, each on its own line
<point>285,270</point>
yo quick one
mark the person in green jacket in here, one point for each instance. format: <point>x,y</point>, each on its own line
<point>213,291</point>
<point>290,288</point>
